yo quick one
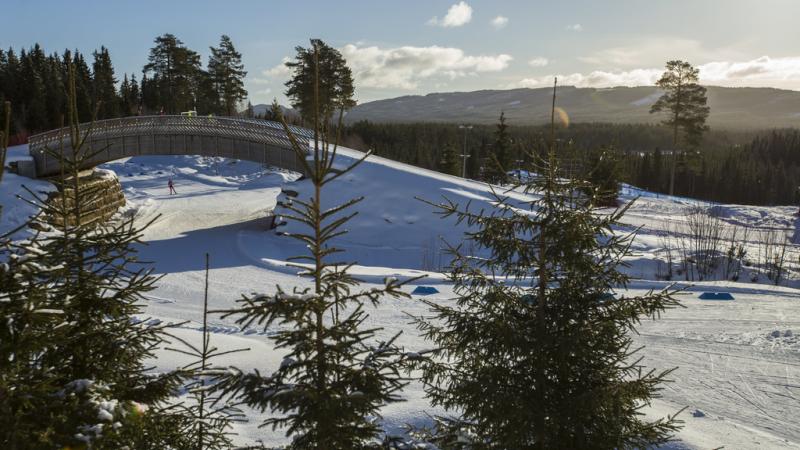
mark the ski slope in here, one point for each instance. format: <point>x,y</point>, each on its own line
<point>738,362</point>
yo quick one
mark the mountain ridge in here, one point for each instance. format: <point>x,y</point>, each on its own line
<point>731,107</point>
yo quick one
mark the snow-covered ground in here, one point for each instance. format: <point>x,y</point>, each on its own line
<point>738,361</point>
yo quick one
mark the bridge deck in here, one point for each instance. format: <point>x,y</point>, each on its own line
<point>247,139</point>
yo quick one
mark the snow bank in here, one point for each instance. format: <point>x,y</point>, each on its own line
<point>16,211</point>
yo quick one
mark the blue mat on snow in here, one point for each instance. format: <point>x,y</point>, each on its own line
<point>716,296</point>
<point>425,290</point>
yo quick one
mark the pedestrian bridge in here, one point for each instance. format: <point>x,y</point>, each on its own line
<point>256,140</point>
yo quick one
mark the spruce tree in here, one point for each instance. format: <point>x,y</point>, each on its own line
<point>335,375</point>
<point>274,112</point>
<point>602,176</point>
<point>77,288</point>
<point>500,156</point>
<point>32,94</point>
<point>450,162</point>
<point>535,353</point>
<point>207,419</point>
<point>104,86</point>
<point>227,74</point>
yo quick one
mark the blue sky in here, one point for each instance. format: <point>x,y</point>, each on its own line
<point>417,47</point>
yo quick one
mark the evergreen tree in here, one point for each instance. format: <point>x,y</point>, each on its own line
<point>500,157</point>
<point>536,352</point>
<point>450,163</point>
<point>104,86</point>
<point>33,325</point>
<point>83,83</point>
<point>151,99</point>
<point>334,90</point>
<point>684,101</point>
<point>334,377</point>
<point>76,359</point>
<point>227,74</point>
<point>176,73</point>
<point>125,96</point>
<point>603,176</point>
<point>5,120</point>
<point>32,94</point>
<point>274,112</point>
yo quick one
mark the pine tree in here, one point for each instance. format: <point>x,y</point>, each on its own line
<point>536,353</point>
<point>104,86</point>
<point>334,377</point>
<point>684,100</point>
<point>334,89</point>
<point>227,74</point>
<point>176,73</point>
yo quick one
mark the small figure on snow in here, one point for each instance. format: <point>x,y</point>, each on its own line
<point>171,186</point>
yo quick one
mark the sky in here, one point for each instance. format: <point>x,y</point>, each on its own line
<point>412,47</point>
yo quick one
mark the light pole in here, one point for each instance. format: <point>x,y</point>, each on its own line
<point>465,155</point>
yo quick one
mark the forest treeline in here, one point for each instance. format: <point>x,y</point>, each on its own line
<point>729,165</point>
<point>173,80</point>
<point>749,167</point>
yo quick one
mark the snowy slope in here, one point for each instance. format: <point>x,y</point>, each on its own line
<point>737,363</point>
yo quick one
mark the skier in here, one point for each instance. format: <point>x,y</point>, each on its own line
<point>171,186</point>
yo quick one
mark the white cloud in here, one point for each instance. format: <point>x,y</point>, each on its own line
<point>764,71</point>
<point>597,78</point>
<point>458,15</point>
<point>574,27</point>
<point>538,62</point>
<point>404,67</point>
<point>499,22</point>
<point>278,70</point>
<point>655,50</point>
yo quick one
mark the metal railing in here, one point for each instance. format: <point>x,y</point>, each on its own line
<point>118,132</point>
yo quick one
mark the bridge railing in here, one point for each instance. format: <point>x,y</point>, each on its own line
<point>103,132</point>
<point>261,130</point>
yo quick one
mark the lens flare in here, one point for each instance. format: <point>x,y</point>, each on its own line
<point>562,117</point>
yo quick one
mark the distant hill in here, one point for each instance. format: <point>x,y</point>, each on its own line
<point>730,107</point>
<point>262,109</point>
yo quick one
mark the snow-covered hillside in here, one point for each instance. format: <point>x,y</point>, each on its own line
<point>739,361</point>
